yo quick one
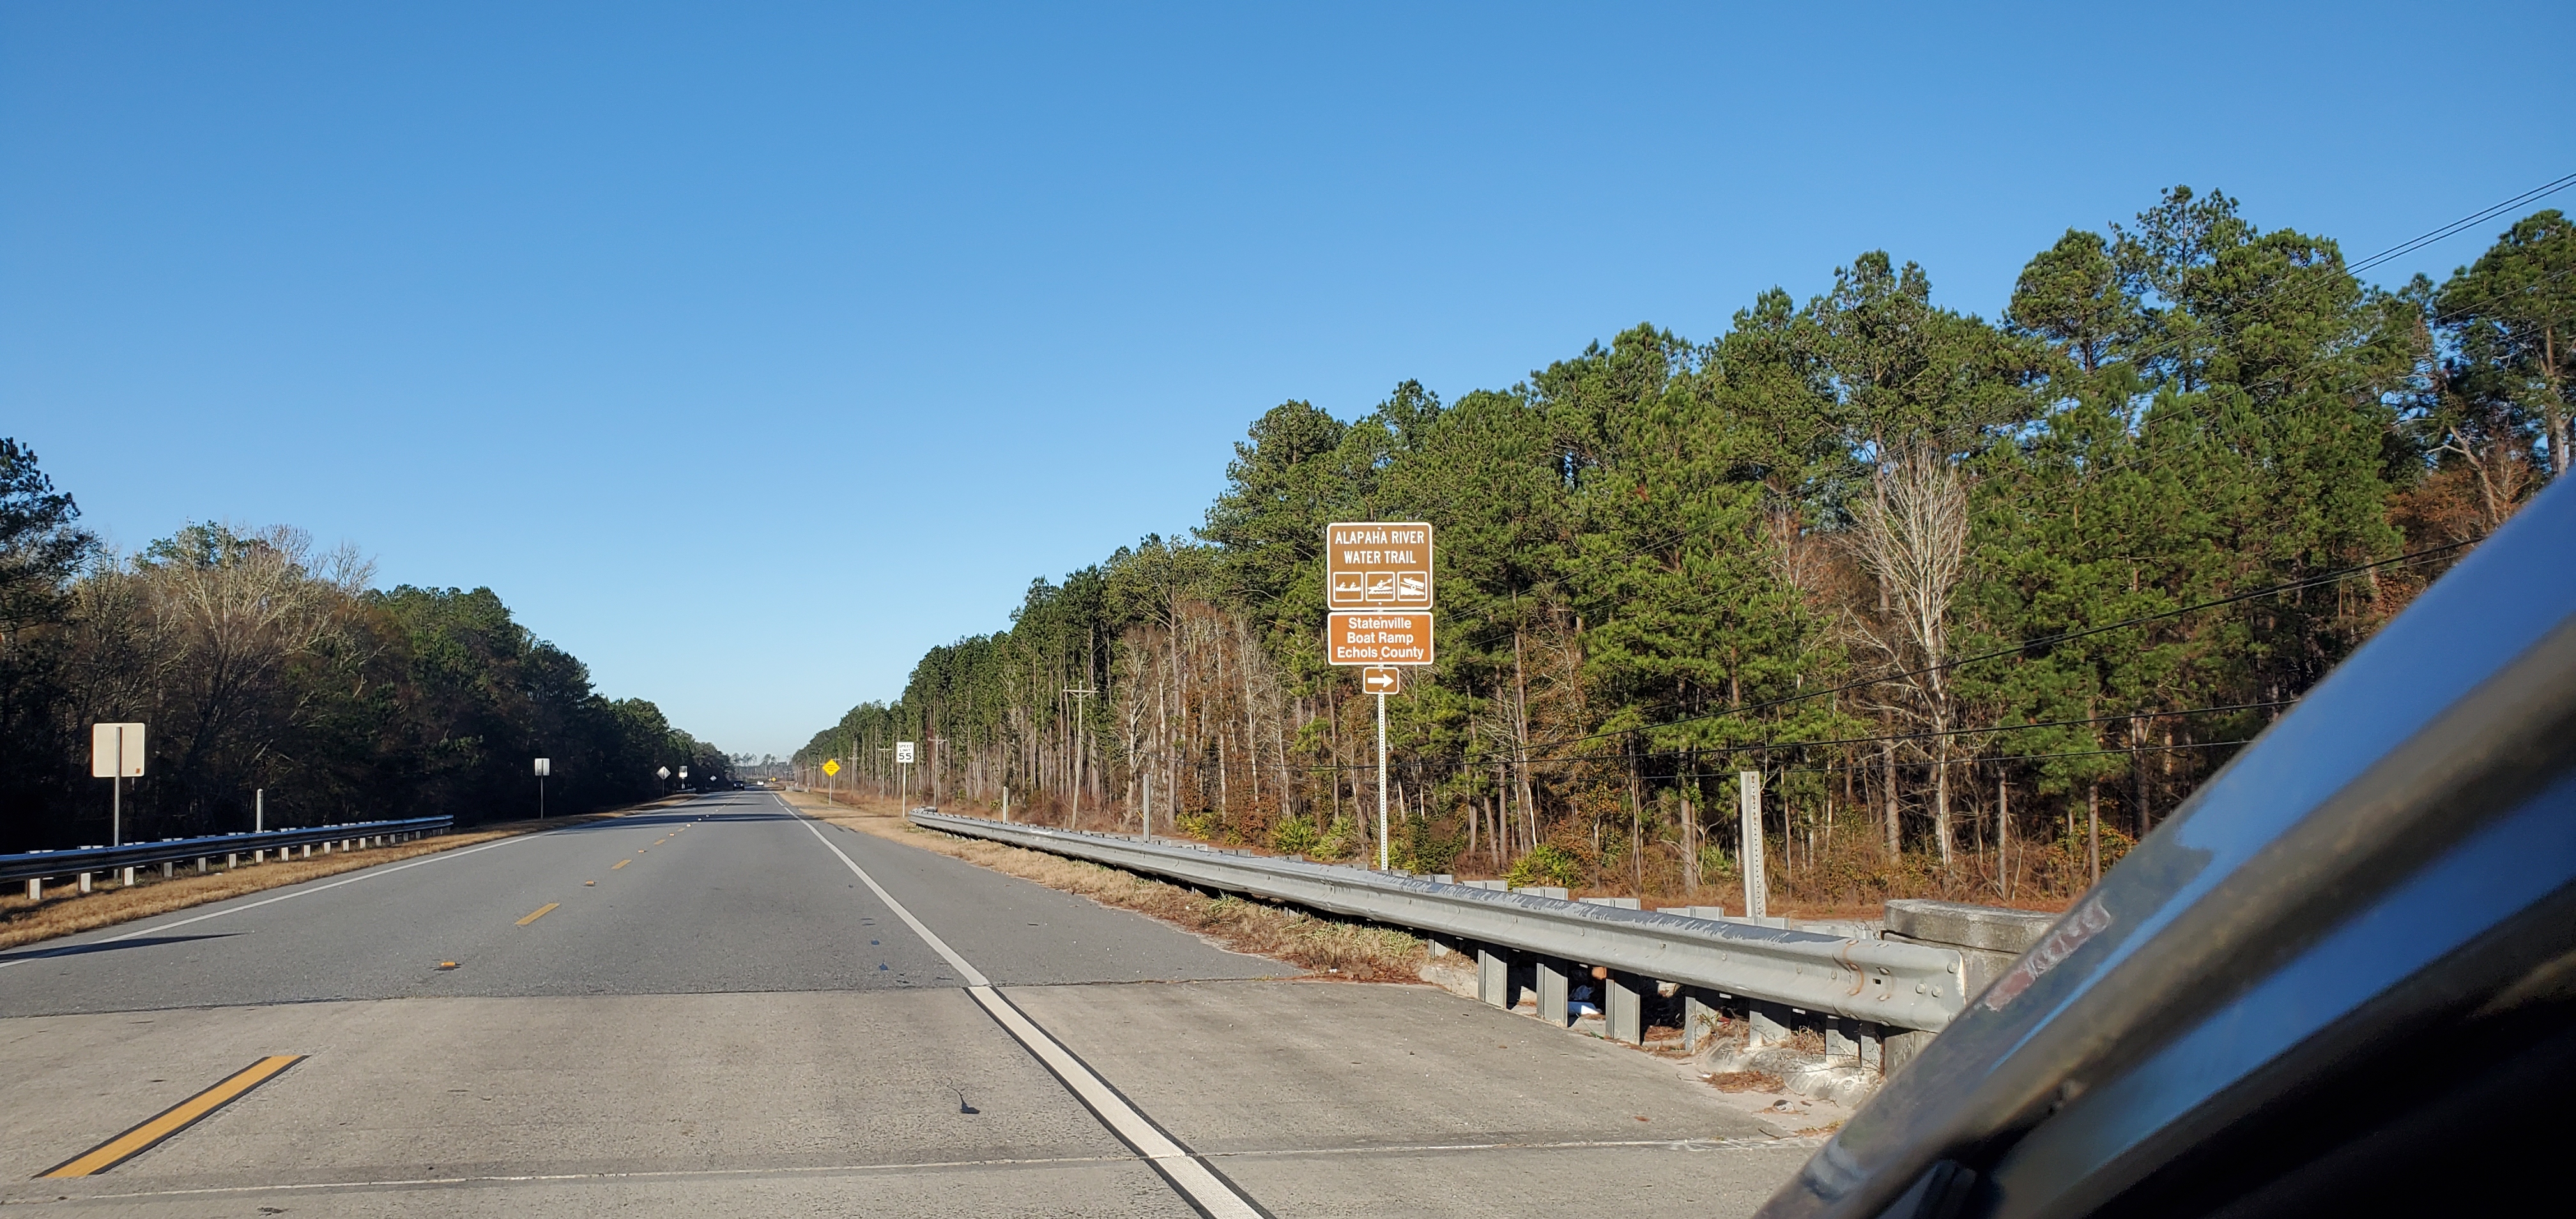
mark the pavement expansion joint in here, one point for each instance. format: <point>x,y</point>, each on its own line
<point>675,1174</point>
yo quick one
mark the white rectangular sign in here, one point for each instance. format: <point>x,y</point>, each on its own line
<point>116,751</point>
<point>903,752</point>
<point>545,766</point>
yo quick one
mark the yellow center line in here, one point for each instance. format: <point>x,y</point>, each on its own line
<point>540,913</point>
<point>172,1120</point>
<point>619,864</point>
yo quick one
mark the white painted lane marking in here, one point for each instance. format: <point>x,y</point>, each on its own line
<point>1210,1192</point>
<point>972,975</point>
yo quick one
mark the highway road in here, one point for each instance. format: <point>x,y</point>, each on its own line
<point>727,1007</point>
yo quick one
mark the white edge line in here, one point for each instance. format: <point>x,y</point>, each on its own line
<point>367,873</point>
<point>973,976</point>
<point>1208,1191</point>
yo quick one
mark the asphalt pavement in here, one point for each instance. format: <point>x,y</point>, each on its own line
<point>727,1007</point>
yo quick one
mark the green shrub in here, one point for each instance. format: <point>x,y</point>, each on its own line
<point>1550,864</point>
<point>1296,836</point>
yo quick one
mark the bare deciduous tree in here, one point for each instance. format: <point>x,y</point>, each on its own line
<point>1911,534</point>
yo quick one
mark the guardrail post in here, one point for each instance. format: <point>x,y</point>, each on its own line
<point>1838,1039</point>
<point>232,860</point>
<point>1624,1009</point>
<point>308,850</point>
<point>1552,976</point>
<point>84,882</point>
<point>129,879</point>
<point>1493,976</point>
<point>1901,1047</point>
<point>259,856</point>
<point>1767,1023</point>
<point>201,865</point>
<point>35,888</point>
<point>1699,1017</point>
<point>1872,1046</point>
<point>168,869</point>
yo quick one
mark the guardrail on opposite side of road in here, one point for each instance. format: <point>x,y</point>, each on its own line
<point>1898,985</point>
<point>35,867</point>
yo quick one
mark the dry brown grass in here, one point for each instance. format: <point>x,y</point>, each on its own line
<point>65,911</point>
<point>1328,946</point>
<point>1746,1081</point>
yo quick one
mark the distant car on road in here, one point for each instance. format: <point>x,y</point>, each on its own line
<point>2341,980</point>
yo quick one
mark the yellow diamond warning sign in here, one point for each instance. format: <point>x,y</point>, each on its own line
<point>831,766</point>
<point>1371,637</point>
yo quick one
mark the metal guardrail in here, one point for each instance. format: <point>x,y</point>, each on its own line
<point>41,865</point>
<point>1906,986</point>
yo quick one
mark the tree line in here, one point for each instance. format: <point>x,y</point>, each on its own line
<point>1978,601</point>
<point>268,670</point>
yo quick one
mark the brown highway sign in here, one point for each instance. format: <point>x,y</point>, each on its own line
<point>1376,637</point>
<point>1377,565</point>
<point>1381,679</point>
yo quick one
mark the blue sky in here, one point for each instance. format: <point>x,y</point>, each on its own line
<point>746,351</point>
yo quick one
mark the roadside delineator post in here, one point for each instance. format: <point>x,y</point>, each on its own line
<point>1748,797</point>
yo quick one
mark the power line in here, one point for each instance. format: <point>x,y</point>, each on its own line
<point>2279,378</point>
<point>2480,216</point>
<point>1926,735</point>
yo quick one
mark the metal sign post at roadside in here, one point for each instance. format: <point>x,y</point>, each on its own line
<point>1381,681</point>
<point>1748,800</point>
<point>1383,846</point>
<point>545,766</point>
<point>115,754</point>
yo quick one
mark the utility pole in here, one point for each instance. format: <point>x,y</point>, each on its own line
<point>1078,696</point>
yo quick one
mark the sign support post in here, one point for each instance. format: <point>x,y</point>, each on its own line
<point>1383,846</point>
